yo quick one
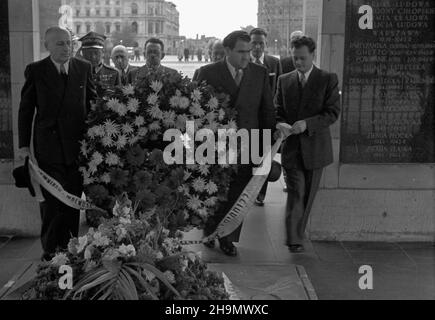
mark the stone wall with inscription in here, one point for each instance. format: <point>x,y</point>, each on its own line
<point>6,136</point>
<point>388,82</point>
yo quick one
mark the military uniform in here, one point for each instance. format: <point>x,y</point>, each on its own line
<point>105,77</point>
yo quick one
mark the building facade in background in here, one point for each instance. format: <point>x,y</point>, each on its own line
<point>280,18</point>
<point>129,21</point>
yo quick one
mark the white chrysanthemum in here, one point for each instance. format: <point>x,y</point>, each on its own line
<point>96,131</point>
<point>127,128</point>
<point>133,140</point>
<point>121,142</point>
<point>84,148</point>
<point>197,110</point>
<point>213,103</point>
<point>221,114</point>
<point>100,240</point>
<point>156,86</point>
<point>199,184</point>
<point>107,141</point>
<point>211,188</point>
<point>211,116</point>
<point>204,169</point>
<point>93,167</point>
<point>113,104</point>
<point>180,123</point>
<point>133,105</point>
<point>88,252</point>
<point>155,126</point>
<point>196,95</point>
<point>97,158</point>
<point>105,178</point>
<point>202,212</point>
<point>60,259</point>
<point>149,275</point>
<point>155,112</point>
<point>169,118</point>
<point>232,124</point>
<point>112,159</point>
<point>153,99</point>
<point>139,121</point>
<point>211,202</point>
<point>194,203</point>
<point>174,102</point>
<point>87,180</point>
<point>142,132</point>
<point>128,251</point>
<point>128,90</point>
<point>169,275</point>
<point>122,109</point>
<point>123,220</point>
<point>121,232</point>
<point>83,241</point>
<point>183,189</point>
<point>184,103</point>
<point>111,128</point>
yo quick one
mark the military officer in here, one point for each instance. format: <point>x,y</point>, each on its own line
<point>105,77</point>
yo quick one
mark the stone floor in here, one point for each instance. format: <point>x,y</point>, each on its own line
<point>400,270</point>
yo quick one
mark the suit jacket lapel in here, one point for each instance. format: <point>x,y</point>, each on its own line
<point>310,86</point>
<point>293,91</point>
<point>227,80</point>
<point>52,79</point>
<point>244,84</point>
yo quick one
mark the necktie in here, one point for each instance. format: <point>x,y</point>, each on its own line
<point>123,77</point>
<point>238,77</point>
<point>258,61</point>
<point>63,73</point>
<point>302,79</point>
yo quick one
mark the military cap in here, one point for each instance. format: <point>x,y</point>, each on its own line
<point>93,40</point>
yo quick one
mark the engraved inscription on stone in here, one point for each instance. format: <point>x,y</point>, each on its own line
<point>388,87</point>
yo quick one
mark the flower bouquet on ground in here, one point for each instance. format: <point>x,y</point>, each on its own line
<point>127,259</point>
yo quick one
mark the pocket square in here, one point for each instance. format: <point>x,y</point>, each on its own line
<point>272,74</point>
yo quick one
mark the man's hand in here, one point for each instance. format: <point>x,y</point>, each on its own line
<point>283,130</point>
<point>23,153</point>
<point>299,127</point>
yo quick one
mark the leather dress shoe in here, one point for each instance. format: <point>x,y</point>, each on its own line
<point>296,248</point>
<point>228,248</point>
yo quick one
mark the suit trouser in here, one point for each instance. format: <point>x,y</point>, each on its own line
<point>237,185</point>
<point>302,186</point>
<point>60,222</point>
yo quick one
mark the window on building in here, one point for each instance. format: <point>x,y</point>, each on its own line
<point>157,27</point>
<point>150,10</point>
<point>118,3</point>
<point>78,28</point>
<point>134,27</point>
<point>97,2</point>
<point>107,2</point>
<point>134,9</point>
<point>118,12</point>
<point>118,27</point>
<point>108,28</point>
<point>150,27</point>
<point>88,2</point>
<point>107,13</point>
<point>77,12</point>
<point>88,12</point>
<point>97,12</point>
<point>88,28</point>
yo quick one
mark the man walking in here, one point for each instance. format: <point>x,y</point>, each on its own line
<point>59,88</point>
<point>247,84</point>
<point>308,100</point>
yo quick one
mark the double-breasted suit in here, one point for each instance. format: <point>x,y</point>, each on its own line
<point>254,104</point>
<point>305,155</point>
<point>61,103</point>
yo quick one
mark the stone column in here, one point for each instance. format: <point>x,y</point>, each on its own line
<point>19,212</point>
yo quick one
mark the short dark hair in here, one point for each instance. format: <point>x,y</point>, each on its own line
<point>231,39</point>
<point>155,40</point>
<point>303,41</point>
<point>258,31</point>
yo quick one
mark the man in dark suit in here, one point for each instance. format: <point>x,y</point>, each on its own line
<point>247,84</point>
<point>60,88</point>
<point>308,100</point>
<point>127,72</point>
<point>287,64</point>
<point>154,53</point>
<point>105,76</point>
<point>258,56</point>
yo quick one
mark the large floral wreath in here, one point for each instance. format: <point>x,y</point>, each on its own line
<point>134,251</point>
